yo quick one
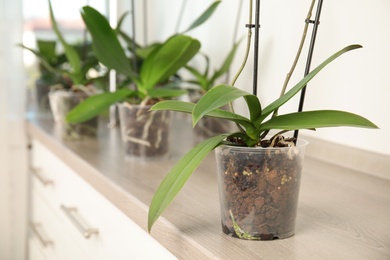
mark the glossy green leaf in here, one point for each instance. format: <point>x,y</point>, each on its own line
<point>316,119</point>
<point>186,107</point>
<point>204,16</point>
<point>165,92</point>
<point>167,59</point>
<point>105,42</point>
<point>293,91</point>
<point>71,53</point>
<point>221,95</point>
<point>178,176</point>
<point>96,104</point>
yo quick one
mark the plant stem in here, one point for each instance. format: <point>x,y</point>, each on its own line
<point>303,38</point>
<point>235,32</point>
<point>248,46</point>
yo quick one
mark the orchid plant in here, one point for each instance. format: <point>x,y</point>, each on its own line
<point>251,132</point>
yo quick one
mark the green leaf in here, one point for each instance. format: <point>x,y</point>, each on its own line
<point>42,60</point>
<point>105,42</point>
<point>120,21</point>
<point>144,52</point>
<point>204,16</point>
<point>178,176</point>
<point>167,59</point>
<point>226,64</point>
<point>165,92</point>
<point>70,52</point>
<point>186,107</point>
<point>201,80</point>
<point>316,119</point>
<point>48,51</point>
<point>96,104</point>
<point>280,101</point>
<point>221,95</point>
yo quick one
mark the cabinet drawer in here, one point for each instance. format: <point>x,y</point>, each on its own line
<point>49,239</point>
<point>83,212</point>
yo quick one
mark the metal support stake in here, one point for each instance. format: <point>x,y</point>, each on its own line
<point>256,47</point>
<point>316,22</point>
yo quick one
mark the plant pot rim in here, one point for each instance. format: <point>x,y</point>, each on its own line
<point>301,143</point>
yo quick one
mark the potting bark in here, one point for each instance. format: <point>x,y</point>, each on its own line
<point>259,191</point>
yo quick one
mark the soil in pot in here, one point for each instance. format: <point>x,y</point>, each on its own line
<point>145,133</point>
<point>259,190</point>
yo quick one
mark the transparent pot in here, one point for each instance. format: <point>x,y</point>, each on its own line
<point>259,190</point>
<point>61,102</point>
<point>42,89</point>
<point>146,134</point>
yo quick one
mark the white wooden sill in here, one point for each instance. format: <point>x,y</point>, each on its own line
<point>343,213</point>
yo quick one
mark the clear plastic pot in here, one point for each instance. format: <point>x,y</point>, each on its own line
<point>146,134</point>
<point>259,190</point>
<point>61,102</point>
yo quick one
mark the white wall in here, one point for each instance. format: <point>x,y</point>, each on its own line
<point>357,82</point>
<point>13,180</point>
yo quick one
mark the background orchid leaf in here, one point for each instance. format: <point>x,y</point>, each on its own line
<point>105,42</point>
<point>70,52</point>
<point>165,92</point>
<point>167,59</point>
<point>96,104</point>
<point>204,16</point>
<point>226,64</point>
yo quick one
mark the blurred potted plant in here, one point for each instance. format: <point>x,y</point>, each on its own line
<point>145,135</point>
<point>204,81</point>
<point>49,63</point>
<point>258,173</point>
<point>77,84</point>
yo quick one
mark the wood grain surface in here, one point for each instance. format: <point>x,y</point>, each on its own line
<point>342,213</point>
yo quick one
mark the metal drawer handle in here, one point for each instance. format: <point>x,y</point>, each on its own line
<point>79,222</point>
<point>41,234</point>
<point>42,177</point>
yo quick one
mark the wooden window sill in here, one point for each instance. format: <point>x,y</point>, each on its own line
<point>343,213</point>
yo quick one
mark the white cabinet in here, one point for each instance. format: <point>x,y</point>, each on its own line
<point>71,220</point>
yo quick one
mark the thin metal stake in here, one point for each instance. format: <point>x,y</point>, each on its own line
<point>316,22</point>
<point>256,47</point>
